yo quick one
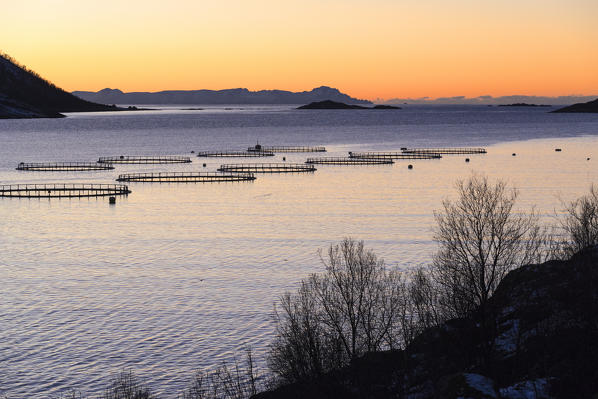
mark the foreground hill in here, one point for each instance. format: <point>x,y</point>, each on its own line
<point>589,107</point>
<point>541,342</point>
<point>230,96</point>
<point>24,94</point>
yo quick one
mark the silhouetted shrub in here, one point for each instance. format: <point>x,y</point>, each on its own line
<point>126,386</point>
<point>580,223</point>
<point>227,382</point>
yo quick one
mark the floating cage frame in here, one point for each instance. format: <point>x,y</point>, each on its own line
<point>447,150</point>
<point>233,154</point>
<point>394,155</point>
<point>123,159</point>
<point>63,166</point>
<point>60,190</point>
<point>266,168</point>
<point>348,161</point>
<point>185,177</point>
<point>261,148</point>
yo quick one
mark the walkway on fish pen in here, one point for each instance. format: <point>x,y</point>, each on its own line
<point>122,159</point>
<point>348,161</point>
<point>232,154</point>
<point>185,177</point>
<point>267,168</point>
<point>448,151</point>
<point>394,155</point>
<point>59,190</point>
<point>63,166</point>
<point>260,148</point>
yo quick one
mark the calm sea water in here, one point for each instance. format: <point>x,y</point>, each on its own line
<point>177,277</point>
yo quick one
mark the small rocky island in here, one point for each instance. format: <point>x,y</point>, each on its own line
<point>328,104</point>
<point>589,107</point>
<point>524,105</point>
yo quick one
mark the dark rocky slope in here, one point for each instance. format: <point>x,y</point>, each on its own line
<point>589,107</point>
<point>24,94</point>
<point>541,341</point>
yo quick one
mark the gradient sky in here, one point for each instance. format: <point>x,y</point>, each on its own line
<point>369,49</point>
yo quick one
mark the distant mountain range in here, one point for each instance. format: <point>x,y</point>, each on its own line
<point>25,94</point>
<point>229,96</point>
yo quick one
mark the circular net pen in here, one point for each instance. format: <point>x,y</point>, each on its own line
<point>234,154</point>
<point>260,148</point>
<point>57,190</point>
<point>63,166</point>
<point>122,159</point>
<point>348,161</point>
<point>393,155</point>
<point>185,177</point>
<point>266,168</point>
<point>447,151</point>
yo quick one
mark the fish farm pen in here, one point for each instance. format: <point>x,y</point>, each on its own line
<point>394,155</point>
<point>186,177</point>
<point>448,151</point>
<point>266,168</point>
<point>348,161</point>
<point>232,154</point>
<point>63,166</point>
<point>144,160</point>
<point>259,148</point>
<point>56,190</point>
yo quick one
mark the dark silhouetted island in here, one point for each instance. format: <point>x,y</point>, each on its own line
<point>382,106</point>
<point>229,96</point>
<point>329,104</point>
<point>524,105</point>
<point>25,94</point>
<point>589,107</point>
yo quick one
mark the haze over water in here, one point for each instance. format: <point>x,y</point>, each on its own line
<point>175,277</point>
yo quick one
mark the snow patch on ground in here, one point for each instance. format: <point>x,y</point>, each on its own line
<point>481,384</point>
<point>533,389</point>
<point>507,341</point>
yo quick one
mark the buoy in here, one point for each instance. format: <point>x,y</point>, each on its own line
<point>284,158</point>
<point>410,167</point>
<point>466,159</point>
<point>514,154</point>
<point>557,149</point>
<point>204,165</point>
<point>112,200</point>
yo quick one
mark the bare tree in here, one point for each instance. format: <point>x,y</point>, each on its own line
<point>302,347</point>
<point>424,300</point>
<point>580,223</point>
<point>481,238</point>
<point>334,317</point>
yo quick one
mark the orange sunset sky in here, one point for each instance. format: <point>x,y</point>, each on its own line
<point>368,49</point>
